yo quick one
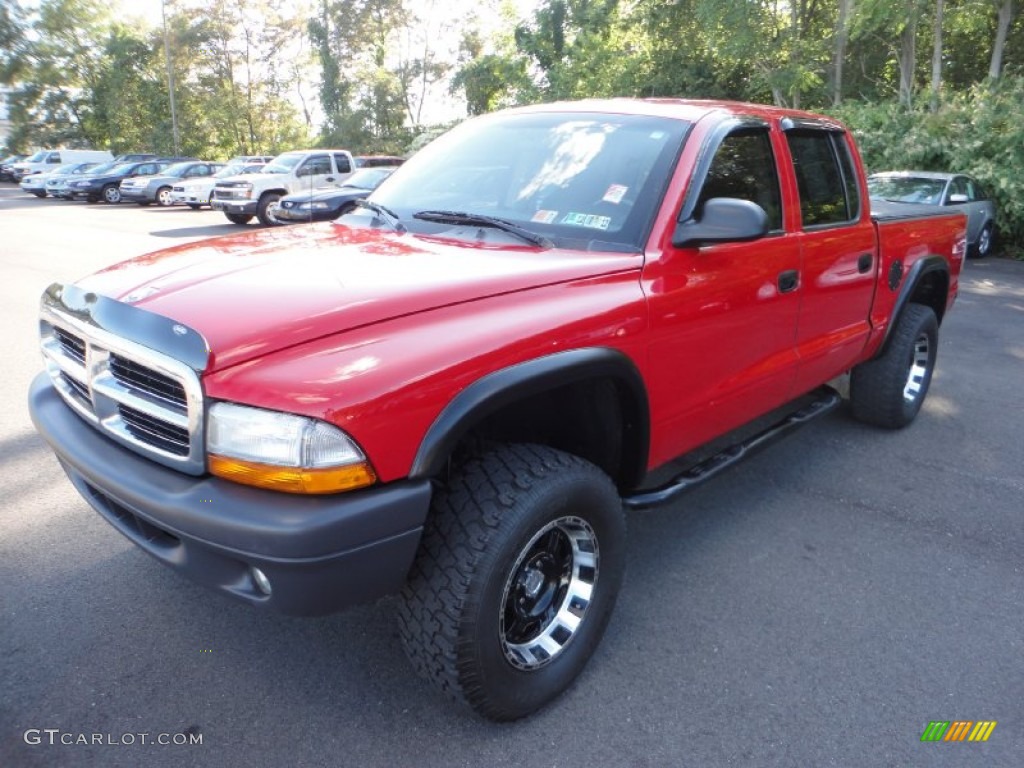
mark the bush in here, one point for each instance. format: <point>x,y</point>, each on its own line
<point>979,132</point>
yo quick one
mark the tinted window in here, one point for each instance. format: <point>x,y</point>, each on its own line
<point>318,165</point>
<point>54,157</point>
<point>827,194</point>
<point>342,161</point>
<point>744,168</point>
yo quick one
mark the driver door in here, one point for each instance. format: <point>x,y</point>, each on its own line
<point>724,315</point>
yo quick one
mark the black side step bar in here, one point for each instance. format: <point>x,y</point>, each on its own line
<point>826,400</point>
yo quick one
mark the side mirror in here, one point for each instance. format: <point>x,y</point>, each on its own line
<point>723,220</point>
<point>954,199</point>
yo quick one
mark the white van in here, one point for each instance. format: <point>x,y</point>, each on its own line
<point>46,160</point>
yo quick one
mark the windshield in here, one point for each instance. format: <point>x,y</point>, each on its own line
<point>105,167</point>
<point>38,157</point>
<point>907,189</point>
<point>229,170</point>
<point>368,178</point>
<point>283,163</point>
<point>574,177</point>
<point>177,170</point>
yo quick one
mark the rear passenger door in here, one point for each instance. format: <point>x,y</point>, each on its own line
<point>344,165</point>
<point>838,253</point>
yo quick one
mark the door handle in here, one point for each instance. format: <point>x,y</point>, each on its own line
<point>864,263</point>
<point>789,280</point>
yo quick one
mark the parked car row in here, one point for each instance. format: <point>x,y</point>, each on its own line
<point>305,185</point>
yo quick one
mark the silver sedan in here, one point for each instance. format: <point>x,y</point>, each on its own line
<point>954,190</point>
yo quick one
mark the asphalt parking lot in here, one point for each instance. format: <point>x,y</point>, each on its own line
<point>818,605</point>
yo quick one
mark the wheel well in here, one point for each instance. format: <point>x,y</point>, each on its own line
<point>931,290</point>
<point>266,192</point>
<point>593,419</point>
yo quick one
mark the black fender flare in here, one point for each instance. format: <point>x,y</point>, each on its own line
<point>532,377</point>
<point>918,271</point>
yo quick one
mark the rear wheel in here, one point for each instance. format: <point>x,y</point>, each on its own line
<point>889,390</point>
<point>516,577</point>
<point>984,245</point>
<point>239,218</point>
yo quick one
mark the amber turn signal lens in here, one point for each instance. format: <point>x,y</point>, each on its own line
<point>294,479</point>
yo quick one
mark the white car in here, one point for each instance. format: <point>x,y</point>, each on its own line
<point>39,184</point>
<point>195,193</point>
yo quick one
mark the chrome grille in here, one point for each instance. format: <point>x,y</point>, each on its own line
<point>153,431</point>
<point>143,399</point>
<point>73,345</point>
<point>164,388</point>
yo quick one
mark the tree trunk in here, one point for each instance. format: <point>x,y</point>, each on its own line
<point>995,66</point>
<point>908,58</point>
<point>842,36</point>
<point>937,55</point>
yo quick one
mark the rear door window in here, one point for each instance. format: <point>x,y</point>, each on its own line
<point>829,194</point>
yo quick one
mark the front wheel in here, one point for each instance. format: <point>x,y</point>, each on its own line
<point>111,194</point>
<point>889,390</point>
<point>239,218</point>
<point>267,208</point>
<point>515,580</point>
<point>39,194</point>
<point>194,207</point>
<point>163,197</point>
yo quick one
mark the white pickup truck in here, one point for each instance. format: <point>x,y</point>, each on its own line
<point>256,194</point>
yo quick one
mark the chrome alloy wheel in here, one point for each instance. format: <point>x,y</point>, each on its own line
<point>918,371</point>
<point>548,592</point>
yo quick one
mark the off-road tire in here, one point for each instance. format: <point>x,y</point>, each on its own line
<point>491,526</point>
<point>239,218</point>
<point>889,390</point>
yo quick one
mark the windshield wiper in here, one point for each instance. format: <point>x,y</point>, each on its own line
<point>384,213</point>
<point>480,220</point>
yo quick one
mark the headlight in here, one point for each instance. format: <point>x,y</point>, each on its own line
<point>283,452</point>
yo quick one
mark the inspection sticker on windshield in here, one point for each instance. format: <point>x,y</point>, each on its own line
<point>587,220</point>
<point>615,194</point>
<point>545,217</point>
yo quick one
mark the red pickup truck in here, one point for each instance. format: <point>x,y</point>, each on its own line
<point>544,317</point>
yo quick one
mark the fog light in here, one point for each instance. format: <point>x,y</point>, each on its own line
<point>262,582</point>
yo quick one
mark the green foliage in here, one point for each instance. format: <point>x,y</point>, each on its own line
<point>979,132</point>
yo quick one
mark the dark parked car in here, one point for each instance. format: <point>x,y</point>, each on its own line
<point>327,204</point>
<point>6,171</point>
<point>103,183</point>
<point>378,161</point>
<point>951,190</point>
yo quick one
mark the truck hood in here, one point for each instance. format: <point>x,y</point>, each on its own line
<point>253,294</point>
<point>252,178</point>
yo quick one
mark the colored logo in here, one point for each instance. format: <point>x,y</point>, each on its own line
<point>958,730</point>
